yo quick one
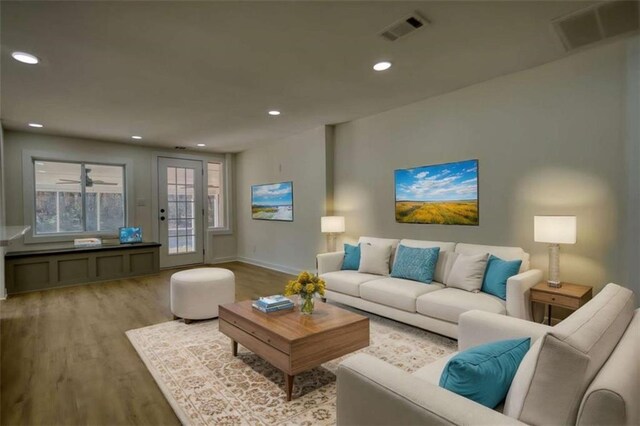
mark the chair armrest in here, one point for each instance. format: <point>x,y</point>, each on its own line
<point>329,262</point>
<point>479,327</point>
<point>372,392</point>
<point>518,302</point>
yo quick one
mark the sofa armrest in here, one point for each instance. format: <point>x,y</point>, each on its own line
<point>518,302</point>
<point>372,392</point>
<point>329,262</point>
<point>479,327</point>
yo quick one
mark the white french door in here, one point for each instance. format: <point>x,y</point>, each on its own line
<point>180,212</point>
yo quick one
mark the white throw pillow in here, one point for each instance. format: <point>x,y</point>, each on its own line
<point>467,272</point>
<point>374,259</point>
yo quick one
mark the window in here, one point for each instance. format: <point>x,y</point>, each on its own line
<point>215,199</point>
<point>78,197</point>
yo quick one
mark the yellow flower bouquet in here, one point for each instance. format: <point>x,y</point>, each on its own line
<point>306,286</point>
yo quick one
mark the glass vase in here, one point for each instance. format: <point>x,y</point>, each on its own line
<point>307,303</point>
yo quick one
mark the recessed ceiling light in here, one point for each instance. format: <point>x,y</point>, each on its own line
<point>381,66</point>
<point>274,112</point>
<point>136,137</point>
<point>201,144</point>
<point>25,58</point>
<point>38,125</point>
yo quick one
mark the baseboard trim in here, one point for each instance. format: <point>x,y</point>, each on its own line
<point>218,260</point>
<point>269,265</point>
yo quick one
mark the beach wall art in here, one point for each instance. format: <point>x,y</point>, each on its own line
<point>272,201</point>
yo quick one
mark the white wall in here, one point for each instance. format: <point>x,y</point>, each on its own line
<point>287,246</point>
<point>3,292</point>
<point>550,140</point>
<point>632,92</point>
<point>219,246</point>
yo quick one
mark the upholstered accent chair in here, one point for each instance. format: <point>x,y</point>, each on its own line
<point>583,371</point>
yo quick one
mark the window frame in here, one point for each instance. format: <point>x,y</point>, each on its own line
<point>29,192</point>
<point>224,192</point>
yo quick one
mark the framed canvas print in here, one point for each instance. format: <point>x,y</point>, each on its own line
<point>272,201</point>
<point>440,194</point>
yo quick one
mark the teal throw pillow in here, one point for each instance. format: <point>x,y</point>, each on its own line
<point>351,260</point>
<point>417,264</point>
<point>484,373</point>
<point>497,274</point>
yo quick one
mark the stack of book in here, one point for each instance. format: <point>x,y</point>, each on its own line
<point>272,303</point>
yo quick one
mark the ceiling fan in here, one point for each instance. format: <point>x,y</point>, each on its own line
<point>88,182</point>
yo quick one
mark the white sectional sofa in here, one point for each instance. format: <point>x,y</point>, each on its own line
<point>432,306</point>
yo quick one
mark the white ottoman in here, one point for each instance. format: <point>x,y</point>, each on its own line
<point>196,293</point>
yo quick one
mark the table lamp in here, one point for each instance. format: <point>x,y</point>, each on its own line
<point>332,225</point>
<point>554,230</point>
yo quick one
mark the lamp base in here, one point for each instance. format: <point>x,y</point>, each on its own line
<point>554,284</point>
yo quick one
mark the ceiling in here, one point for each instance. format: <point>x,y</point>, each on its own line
<point>183,73</point>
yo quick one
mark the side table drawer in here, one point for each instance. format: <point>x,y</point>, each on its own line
<point>555,299</point>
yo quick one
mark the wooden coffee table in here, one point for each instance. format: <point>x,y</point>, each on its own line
<point>293,342</point>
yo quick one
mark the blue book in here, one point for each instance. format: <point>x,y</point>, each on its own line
<point>273,308</point>
<point>269,301</point>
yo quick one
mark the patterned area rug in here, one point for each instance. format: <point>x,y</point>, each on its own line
<point>206,385</point>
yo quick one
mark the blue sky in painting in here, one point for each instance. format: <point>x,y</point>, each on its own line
<point>441,182</point>
<point>277,194</point>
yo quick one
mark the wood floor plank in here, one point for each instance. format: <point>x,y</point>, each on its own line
<point>65,359</point>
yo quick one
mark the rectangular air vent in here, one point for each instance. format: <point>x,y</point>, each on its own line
<point>597,22</point>
<point>404,27</point>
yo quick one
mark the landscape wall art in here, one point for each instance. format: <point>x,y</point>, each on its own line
<point>439,194</point>
<point>272,201</point>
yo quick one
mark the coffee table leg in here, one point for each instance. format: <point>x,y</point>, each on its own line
<point>234,347</point>
<point>288,384</point>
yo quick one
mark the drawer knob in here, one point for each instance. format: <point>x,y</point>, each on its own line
<point>553,299</point>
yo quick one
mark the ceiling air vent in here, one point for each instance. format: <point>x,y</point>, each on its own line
<point>404,27</point>
<point>597,23</point>
<point>180,147</point>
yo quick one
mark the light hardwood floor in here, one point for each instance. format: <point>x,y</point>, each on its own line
<point>66,360</point>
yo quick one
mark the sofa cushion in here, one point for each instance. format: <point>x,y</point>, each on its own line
<point>568,358</point>
<point>351,260</point>
<point>467,272</point>
<point>397,292</point>
<point>506,253</point>
<point>497,274</point>
<point>374,259</point>
<point>443,264</point>
<point>449,303</point>
<point>382,242</point>
<point>347,282</point>
<point>484,373</point>
<point>417,264</point>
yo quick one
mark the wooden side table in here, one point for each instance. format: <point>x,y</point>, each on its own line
<point>569,296</point>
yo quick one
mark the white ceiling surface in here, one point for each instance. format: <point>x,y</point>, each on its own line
<point>182,73</point>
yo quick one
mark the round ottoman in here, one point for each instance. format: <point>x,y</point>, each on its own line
<point>196,293</point>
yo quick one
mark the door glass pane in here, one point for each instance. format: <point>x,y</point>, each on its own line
<point>181,205</point>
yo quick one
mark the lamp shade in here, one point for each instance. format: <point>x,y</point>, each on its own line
<point>332,224</point>
<point>554,229</point>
